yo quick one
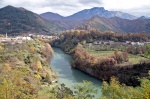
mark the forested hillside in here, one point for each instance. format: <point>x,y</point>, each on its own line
<point>25,70</point>
<point>19,20</point>
<point>117,24</point>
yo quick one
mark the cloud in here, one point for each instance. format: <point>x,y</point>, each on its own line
<point>68,7</point>
<point>136,7</point>
<point>90,1</point>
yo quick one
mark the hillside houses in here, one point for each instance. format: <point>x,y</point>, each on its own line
<point>136,43</point>
<point>100,42</point>
<point>103,42</point>
<point>18,39</point>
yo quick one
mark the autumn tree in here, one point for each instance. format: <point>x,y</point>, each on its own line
<point>7,66</point>
<point>116,90</point>
<point>62,92</point>
<point>38,65</point>
<point>84,90</point>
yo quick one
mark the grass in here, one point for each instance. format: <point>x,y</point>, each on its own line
<point>100,53</point>
<point>133,59</point>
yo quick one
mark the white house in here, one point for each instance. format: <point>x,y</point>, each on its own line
<point>133,43</point>
<point>97,42</point>
<point>23,38</point>
<point>140,44</point>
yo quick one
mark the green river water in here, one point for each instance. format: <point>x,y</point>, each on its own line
<point>61,63</point>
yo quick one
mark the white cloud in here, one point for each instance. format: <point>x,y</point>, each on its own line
<point>136,7</point>
<point>68,7</point>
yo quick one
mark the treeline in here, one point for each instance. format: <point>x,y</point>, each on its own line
<point>82,58</point>
<point>97,35</point>
<point>69,39</point>
<point>112,90</point>
<point>25,70</point>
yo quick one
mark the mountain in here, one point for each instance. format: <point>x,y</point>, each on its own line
<point>87,14</point>
<point>52,16</point>
<point>20,20</point>
<point>99,11</point>
<point>143,17</point>
<point>116,24</point>
<point>78,18</point>
<point>63,22</point>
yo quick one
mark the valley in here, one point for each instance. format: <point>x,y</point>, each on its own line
<point>92,54</point>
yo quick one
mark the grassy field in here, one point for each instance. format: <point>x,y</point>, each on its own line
<point>100,53</point>
<point>133,59</point>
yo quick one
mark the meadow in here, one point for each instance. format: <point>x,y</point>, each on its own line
<point>133,59</point>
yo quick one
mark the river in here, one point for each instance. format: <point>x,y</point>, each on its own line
<point>61,63</point>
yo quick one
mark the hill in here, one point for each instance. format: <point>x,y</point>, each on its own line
<point>19,20</point>
<point>116,24</point>
<point>52,16</point>
<point>63,22</point>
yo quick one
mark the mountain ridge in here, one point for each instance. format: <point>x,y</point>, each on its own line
<point>117,24</point>
<point>89,13</point>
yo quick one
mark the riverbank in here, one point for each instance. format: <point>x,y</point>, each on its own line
<point>128,74</point>
<point>105,68</point>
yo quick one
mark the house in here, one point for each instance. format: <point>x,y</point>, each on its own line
<point>23,38</point>
<point>90,44</point>
<point>105,42</point>
<point>97,42</point>
<point>133,43</point>
<point>111,42</point>
<point>128,42</point>
<point>140,43</point>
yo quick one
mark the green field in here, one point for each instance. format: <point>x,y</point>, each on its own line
<point>133,59</point>
<point>101,53</point>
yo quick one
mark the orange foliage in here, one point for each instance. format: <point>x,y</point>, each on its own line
<point>7,66</point>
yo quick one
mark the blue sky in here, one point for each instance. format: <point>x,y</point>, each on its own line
<point>68,7</point>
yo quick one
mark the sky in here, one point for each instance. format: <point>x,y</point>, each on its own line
<point>68,7</point>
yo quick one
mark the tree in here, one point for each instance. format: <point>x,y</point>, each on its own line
<point>62,92</point>
<point>7,66</point>
<point>32,49</point>
<point>84,90</point>
<point>125,56</point>
<point>115,90</point>
<point>148,51</point>
<point>38,65</point>
<point>13,86</point>
<point>48,78</point>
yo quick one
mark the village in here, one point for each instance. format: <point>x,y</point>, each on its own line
<point>119,43</point>
<point>23,39</point>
